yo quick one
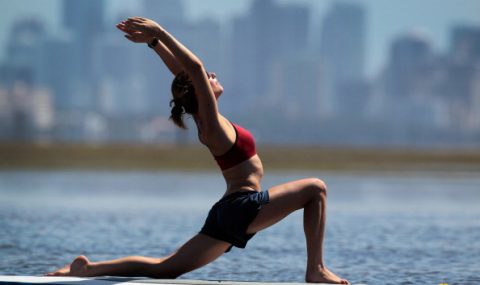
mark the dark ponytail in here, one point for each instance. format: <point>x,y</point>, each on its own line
<point>184,100</point>
<point>177,114</point>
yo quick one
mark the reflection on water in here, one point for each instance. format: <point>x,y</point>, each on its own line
<point>381,229</point>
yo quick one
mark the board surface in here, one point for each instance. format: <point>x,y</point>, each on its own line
<point>13,280</point>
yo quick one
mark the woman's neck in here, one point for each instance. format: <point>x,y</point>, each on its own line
<point>196,119</point>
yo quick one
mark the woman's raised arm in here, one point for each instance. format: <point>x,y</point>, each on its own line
<point>191,64</point>
<point>168,58</point>
<point>165,54</point>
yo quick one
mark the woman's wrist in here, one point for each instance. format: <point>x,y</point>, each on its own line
<point>152,43</point>
<point>159,33</point>
<point>156,37</point>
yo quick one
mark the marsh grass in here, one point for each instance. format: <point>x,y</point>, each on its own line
<point>188,157</point>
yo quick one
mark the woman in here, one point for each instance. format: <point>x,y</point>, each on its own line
<point>244,209</point>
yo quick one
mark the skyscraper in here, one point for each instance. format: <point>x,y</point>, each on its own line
<point>57,71</point>
<point>342,49</point>
<point>23,50</point>
<point>84,20</point>
<point>409,80</point>
<point>267,34</point>
<point>342,45</point>
<point>19,76</point>
<point>465,43</point>
<point>461,86</point>
<point>294,26</point>
<point>410,56</point>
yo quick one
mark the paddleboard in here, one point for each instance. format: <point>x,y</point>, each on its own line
<point>34,280</point>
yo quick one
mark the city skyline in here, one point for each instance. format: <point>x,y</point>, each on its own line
<point>283,76</point>
<point>387,20</point>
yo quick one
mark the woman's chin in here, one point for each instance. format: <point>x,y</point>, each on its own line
<point>219,92</point>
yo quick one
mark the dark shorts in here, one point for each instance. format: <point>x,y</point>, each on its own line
<point>229,218</point>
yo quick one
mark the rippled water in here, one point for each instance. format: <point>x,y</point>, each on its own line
<point>380,229</point>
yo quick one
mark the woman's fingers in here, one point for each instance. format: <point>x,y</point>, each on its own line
<point>133,25</point>
<point>126,30</point>
<point>132,34</point>
<point>121,27</point>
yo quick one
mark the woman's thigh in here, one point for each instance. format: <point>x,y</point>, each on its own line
<point>285,199</point>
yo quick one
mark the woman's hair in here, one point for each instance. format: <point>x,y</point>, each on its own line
<point>184,99</point>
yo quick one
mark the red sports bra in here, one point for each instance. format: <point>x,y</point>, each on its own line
<point>241,150</point>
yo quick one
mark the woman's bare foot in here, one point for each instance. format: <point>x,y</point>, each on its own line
<point>77,268</point>
<point>324,276</point>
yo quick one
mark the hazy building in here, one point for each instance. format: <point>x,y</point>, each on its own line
<point>56,71</point>
<point>19,75</point>
<point>296,89</point>
<point>23,52</point>
<point>85,21</point>
<point>269,33</point>
<point>205,38</point>
<point>410,59</point>
<point>5,113</point>
<point>411,80</point>
<point>241,63</point>
<point>461,85</point>
<point>354,99</point>
<point>342,46</point>
<point>116,61</point>
<point>465,44</point>
<point>464,61</point>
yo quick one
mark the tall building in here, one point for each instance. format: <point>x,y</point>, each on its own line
<point>85,22</point>
<point>465,43</point>
<point>56,70</point>
<point>295,89</point>
<point>461,85</point>
<point>410,57</point>
<point>127,71</point>
<point>294,25</point>
<point>85,19</point>
<point>22,51</point>
<point>18,77</point>
<point>342,47</point>
<point>269,33</point>
<point>409,88</point>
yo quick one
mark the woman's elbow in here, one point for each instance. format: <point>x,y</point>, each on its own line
<point>194,65</point>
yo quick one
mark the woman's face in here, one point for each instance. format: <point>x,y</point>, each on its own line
<point>216,86</point>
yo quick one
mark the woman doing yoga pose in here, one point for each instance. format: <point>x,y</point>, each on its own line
<point>244,208</point>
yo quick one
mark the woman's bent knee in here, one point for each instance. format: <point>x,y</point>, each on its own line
<point>317,186</point>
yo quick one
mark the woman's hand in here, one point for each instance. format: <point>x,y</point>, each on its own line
<point>134,35</point>
<point>147,27</point>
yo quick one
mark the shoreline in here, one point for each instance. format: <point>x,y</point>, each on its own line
<point>23,156</point>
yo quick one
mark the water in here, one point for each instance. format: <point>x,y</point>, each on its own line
<point>380,229</point>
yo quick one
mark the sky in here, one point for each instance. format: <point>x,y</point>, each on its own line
<point>386,20</point>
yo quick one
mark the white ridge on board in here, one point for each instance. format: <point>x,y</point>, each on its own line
<point>127,281</point>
